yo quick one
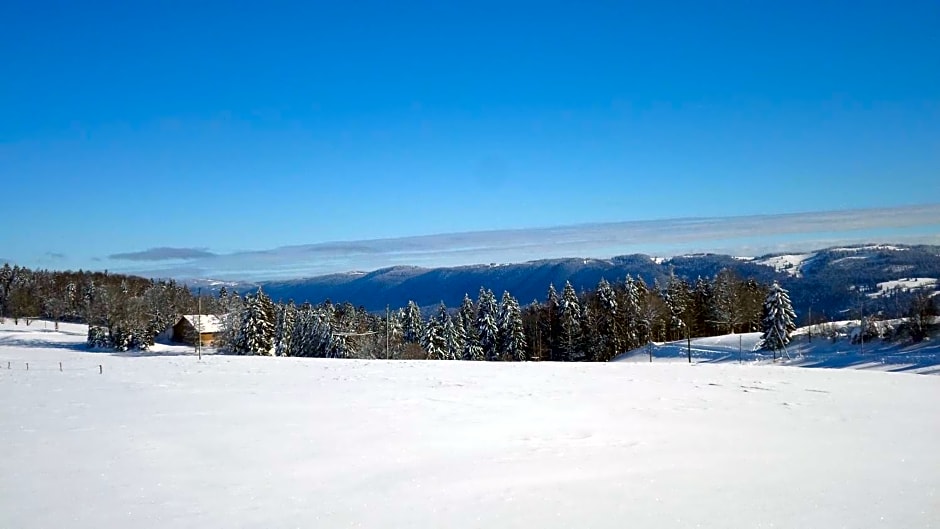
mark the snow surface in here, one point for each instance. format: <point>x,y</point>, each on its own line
<point>165,440</point>
<point>789,263</point>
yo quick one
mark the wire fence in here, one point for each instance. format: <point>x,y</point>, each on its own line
<point>61,367</point>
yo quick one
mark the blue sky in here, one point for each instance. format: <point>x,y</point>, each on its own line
<point>227,128</point>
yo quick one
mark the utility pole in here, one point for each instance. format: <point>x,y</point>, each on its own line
<point>688,342</point>
<point>861,329</point>
<point>810,333</point>
<point>199,322</point>
<point>388,323</point>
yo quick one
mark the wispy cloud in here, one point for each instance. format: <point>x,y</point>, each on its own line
<point>56,256</point>
<point>163,254</point>
<point>751,235</point>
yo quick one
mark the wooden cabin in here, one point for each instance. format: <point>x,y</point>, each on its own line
<point>185,330</point>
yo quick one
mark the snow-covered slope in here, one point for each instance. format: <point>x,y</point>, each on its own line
<point>787,263</point>
<point>170,441</point>
<point>904,285</point>
<point>807,349</point>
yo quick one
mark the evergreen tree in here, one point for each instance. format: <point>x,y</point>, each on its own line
<point>778,319</point>
<point>551,326</point>
<point>630,314</point>
<point>511,333</point>
<point>569,317</point>
<point>607,323</point>
<point>256,331</point>
<point>486,327</point>
<point>676,296</point>
<point>411,323</point>
<point>432,339</point>
<point>589,342</point>
<point>302,342</point>
<point>453,334</point>
<point>284,328</point>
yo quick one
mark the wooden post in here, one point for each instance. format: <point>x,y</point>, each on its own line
<point>60,367</point>
<point>688,341</point>
<point>100,369</point>
<point>27,366</point>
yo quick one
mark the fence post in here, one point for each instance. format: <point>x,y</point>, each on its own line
<point>60,367</point>
<point>27,366</point>
<point>100,369</point>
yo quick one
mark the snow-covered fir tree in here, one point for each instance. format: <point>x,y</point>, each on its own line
<point>778,319</point>
<point>303,339</point>
<point>569,317</point>
<point>432,339</point>
<point>551,329</point>
<point>284,328</point>
<point>589,335</point>
<point>511,332</point>
<point>630,314</point>
<point>607,322</point>
<point>486,327</point>
<point>256,332</point>
<point>676,296</point>
<point>471,349</point>
<point>411,323</point>
<point>452,334</point>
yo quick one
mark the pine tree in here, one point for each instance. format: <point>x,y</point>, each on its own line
<point>486,327</point>
<point>511,333</point>
<point>778,319</point>
<point>569,317</point>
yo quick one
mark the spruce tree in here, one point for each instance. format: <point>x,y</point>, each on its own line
<point>256,331</point>
<point>486,327</point>
<point>512,342</point>
<point>284,328</point>
<point>411,323</point>
<point>551,329</point>
<point>777,321</point>
<point>453,335</point>
<point>569,317</point>
<point>432,338</point>
<point>607,323</point>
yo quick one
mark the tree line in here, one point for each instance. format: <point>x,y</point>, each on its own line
<point>595,325</point>
<point>127,312</point>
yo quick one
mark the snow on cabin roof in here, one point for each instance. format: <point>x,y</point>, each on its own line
<point>208,323</point>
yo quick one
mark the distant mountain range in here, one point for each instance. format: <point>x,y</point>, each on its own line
<point>834,282</point>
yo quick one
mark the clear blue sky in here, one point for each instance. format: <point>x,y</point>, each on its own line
<point>235,126</point>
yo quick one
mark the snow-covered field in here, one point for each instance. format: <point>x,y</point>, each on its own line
<point>166,440</point>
